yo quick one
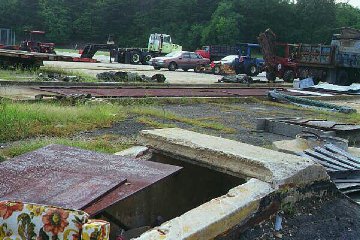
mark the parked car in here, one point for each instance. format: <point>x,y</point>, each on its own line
<point>180,60</point>
<point>224,65</point>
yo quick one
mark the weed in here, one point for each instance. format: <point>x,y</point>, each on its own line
<point>288,208</point>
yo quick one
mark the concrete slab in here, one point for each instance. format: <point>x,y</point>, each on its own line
<point>215,217</point>
<point>235,158</point>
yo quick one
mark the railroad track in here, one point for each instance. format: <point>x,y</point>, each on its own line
<point>139,92</point>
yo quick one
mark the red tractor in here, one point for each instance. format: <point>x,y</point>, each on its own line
<point>34,43</point>
<point>279,57</point>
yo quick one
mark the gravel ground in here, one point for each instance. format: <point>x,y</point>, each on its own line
<point>172,77</point>
<point>241,117</point>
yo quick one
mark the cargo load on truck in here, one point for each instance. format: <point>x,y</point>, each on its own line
<point>336,63</point>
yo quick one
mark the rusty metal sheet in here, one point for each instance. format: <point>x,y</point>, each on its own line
<point>157,92</point>
<point>95,178</point>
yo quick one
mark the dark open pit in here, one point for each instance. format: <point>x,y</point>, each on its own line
<point>173,196</point>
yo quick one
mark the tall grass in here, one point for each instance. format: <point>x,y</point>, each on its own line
<point>24,120</point>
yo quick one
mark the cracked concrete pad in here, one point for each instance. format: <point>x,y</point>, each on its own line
<point>235,158</point>
<point>216,216</point>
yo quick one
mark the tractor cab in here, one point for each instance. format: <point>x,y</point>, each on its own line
<point>162,43</point>
<point>34,42</point>
<point>250,59</point>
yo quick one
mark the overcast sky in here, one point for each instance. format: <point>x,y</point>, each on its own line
<point>355,3</point>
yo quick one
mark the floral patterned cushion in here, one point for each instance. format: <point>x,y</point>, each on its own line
<point>95,230</point>
<point>28,221</point>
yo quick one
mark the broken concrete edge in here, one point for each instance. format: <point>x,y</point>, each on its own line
<point>286,201</point>
<point>134,152</point>
<point>234,157</point>
<point>216,216</point>
<point>239,210</point>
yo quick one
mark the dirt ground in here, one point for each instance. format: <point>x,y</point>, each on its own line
<point>334,218</point>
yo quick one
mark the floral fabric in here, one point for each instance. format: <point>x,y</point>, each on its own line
<point>95,230</point>
<point>26,221</point>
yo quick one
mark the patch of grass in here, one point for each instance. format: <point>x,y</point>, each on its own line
<point>24,120</point>
<point>104,144</point>
<point>18,74</point>
<point>154,112</point>
<point>153,123</point>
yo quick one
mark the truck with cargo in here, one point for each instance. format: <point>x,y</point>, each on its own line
<point>337,63</point>
<point>158,45</point>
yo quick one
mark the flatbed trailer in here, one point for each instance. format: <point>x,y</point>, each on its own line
<point>23,59</point>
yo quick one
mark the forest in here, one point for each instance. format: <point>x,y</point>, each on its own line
<point>191,23</point>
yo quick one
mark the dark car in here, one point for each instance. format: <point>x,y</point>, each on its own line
<point>180,60</point>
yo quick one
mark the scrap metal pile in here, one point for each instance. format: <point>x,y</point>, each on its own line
<point>324,142</point>
<point>120,76</point>
<point>342,166</point>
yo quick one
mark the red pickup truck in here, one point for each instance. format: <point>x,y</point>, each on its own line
<point>217,52</point>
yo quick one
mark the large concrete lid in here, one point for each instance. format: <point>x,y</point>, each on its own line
<point>235,157</point>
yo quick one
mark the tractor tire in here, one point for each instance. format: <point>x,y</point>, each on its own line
<point>173,66</point>
<point>252,70</point>
<point>146,59</point>
<point>217,70</point>
<point>157,68</point>
<point>199,68</point>
<point>135,58</point>
<point>289,76</point>
<point>343,78</point>
<point>270,76</point>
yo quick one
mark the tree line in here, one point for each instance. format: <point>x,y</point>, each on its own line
<point>191,23</point>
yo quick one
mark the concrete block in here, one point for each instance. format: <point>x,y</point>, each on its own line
<point>134,152</point>
<point>215,217</point>
<point>232,157</point>
<point>291,130</point>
